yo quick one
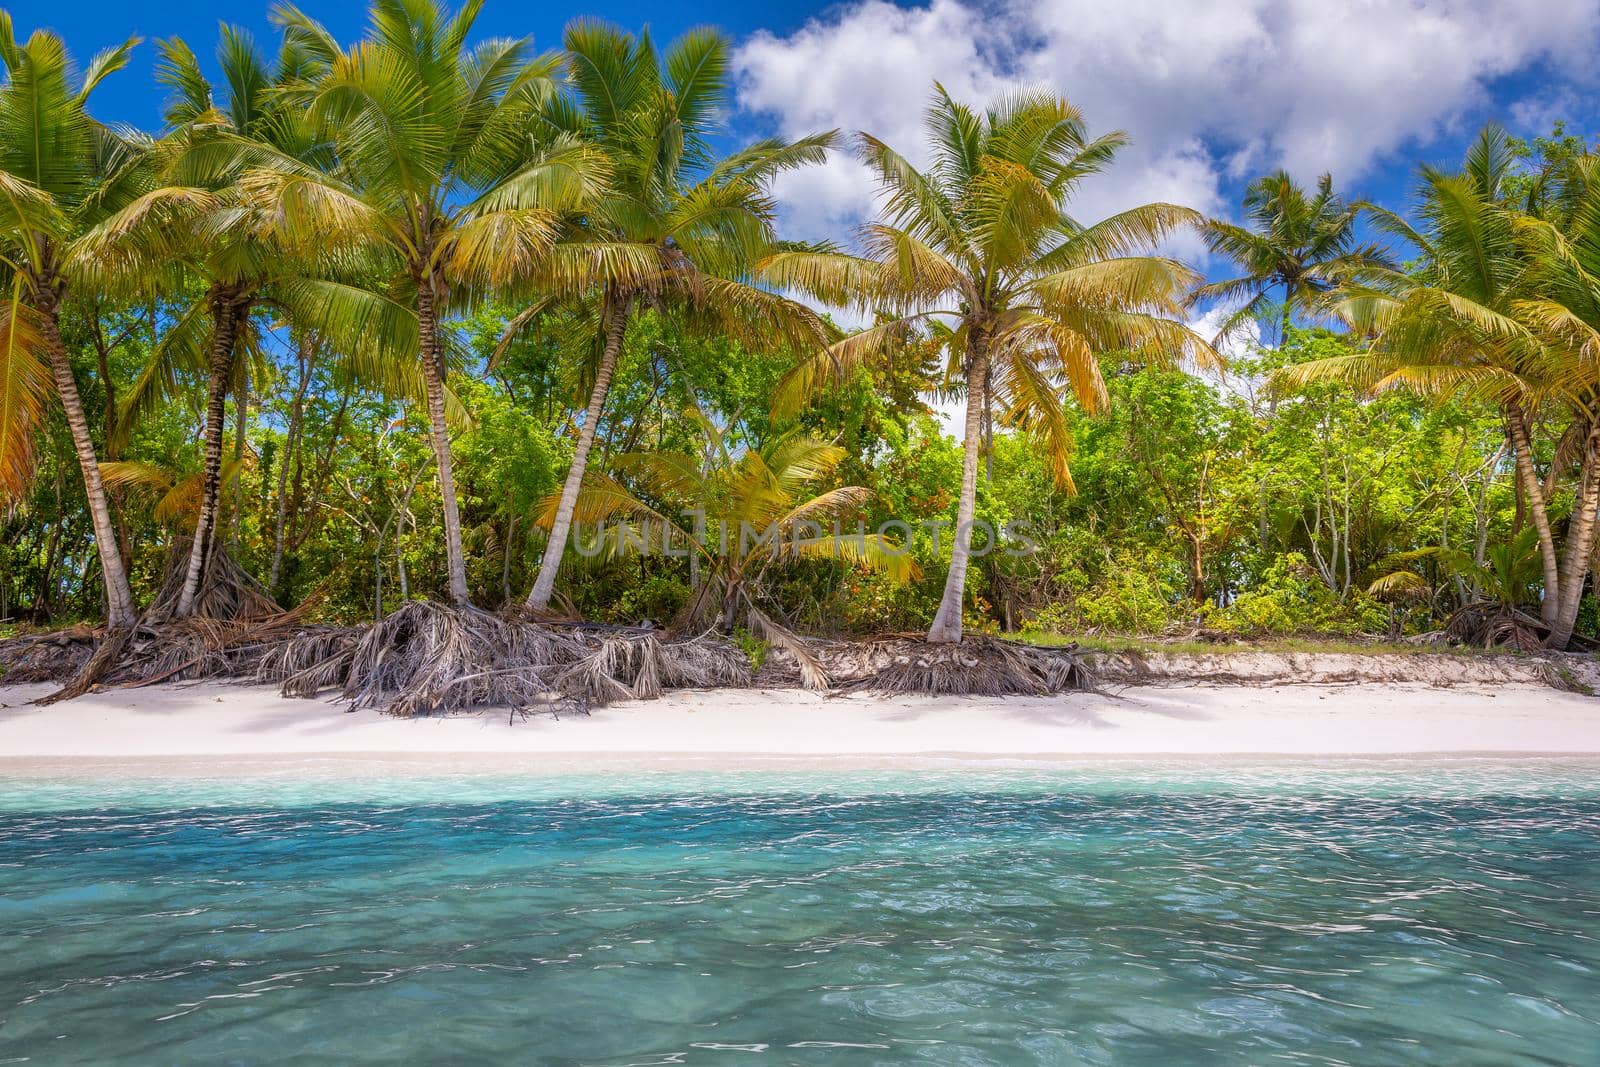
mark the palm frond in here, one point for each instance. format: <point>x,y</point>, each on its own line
<point>25,387</point>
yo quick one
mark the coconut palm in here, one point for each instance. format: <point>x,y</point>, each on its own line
<point>676,229</point>
<point>1560,305</point>
<point>752,509</point>
<point>438,183</point>
<point>59,171</point>
<point>1299,245</point>
<point>1501,307</point>
<point>199,226</point>
<point>980,247</point>
<point>196,226</point>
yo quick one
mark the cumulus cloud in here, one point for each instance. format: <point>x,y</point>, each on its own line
<point>871,67</point>
<point>1211,90</point>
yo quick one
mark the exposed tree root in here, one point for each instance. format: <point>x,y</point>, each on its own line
<point>103,662</point>
<point>235,622</point>
<point>977,666</point>
<point>148,653</point>
<point>227,590</point>
<point>428,657</point>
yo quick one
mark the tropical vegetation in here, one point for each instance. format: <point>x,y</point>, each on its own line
<point>424,316</point>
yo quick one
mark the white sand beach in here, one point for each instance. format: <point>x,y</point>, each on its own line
<point>759,728</point>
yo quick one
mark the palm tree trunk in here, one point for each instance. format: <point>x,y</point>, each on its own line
<point>224,332</point>
<point>616,329</point>
<point>730,603</point>
<point>946,627</point>
<point>1580,540</point>
<point>119,595</point>
<point>1517,427</point>
<point>439,433</point>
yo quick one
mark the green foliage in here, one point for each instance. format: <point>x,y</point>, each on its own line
<point>1539,158</point>
<point>1351,483</point>
<point>1290,600</point>
<point>754,648</point>
<point>1130,598</point>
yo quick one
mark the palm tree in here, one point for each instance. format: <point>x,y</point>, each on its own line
<point>59,170</point>
<point>1501,308</point>
<point>1493,590</point>
<point>438,183</point>
<point>1561,307</point>
<point>1024,298</point>
<point>753,509</point>
<point>196,225</point>
<point>1300,245</point>
<point>676,228</point>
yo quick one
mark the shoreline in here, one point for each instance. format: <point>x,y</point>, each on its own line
<point>217,726</point>
<point>329,766</point>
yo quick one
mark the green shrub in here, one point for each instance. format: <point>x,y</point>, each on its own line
<point>1131,597</point>
<point>753,647</point>
<point>1289,599</point>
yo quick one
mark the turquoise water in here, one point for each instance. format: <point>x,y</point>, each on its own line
<point>1307,915</point>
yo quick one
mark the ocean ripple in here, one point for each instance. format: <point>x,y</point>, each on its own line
<point>1054,926</point>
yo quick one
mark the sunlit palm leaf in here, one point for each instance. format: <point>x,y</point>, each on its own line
<point>25,387</point>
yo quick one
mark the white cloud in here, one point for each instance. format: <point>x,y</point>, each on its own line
<point>872,68</point>
<point>1241,342</point>
<point>1535,115</point>
<point>1210,90</point>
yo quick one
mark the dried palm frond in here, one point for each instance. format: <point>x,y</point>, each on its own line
<point>976,666</point>
<point>49,657</point>
<point>150,652</point>
<point>424,657</point>
<point>593,680</point>
<point>1489,624</point>
<point>703,663</point>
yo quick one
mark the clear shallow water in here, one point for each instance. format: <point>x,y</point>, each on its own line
<point>1448,914</point>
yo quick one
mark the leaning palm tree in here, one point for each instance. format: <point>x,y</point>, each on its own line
<point>438,183</point>
<point>1023,298</point>
<point>59,171</point>
<point>753,509</point>
<point>1501,307</point>
<point>1299,245</point>
<point>1560,305</point>
<point>676,229</point>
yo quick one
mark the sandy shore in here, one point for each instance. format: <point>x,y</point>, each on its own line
<point>754,728</point>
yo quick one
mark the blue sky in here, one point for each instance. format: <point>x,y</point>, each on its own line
<point>1212,91</point>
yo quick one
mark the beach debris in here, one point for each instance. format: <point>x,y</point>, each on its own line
<point>234,621</point>
<point>976,666</point>
<point>1491,624</point>
<point>147,653</point>
<point>427,658</point>
<point>47,657</point>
